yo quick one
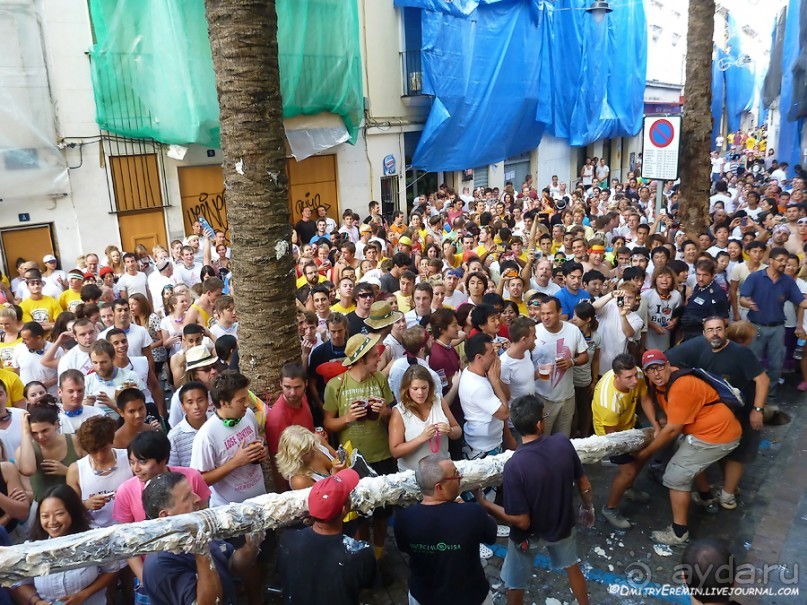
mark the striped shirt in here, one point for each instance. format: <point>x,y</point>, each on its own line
<point>181,438</point>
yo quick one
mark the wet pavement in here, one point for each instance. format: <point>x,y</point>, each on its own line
<point>767,533</point>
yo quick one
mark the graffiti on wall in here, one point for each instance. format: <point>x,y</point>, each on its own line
<point>211,206</point>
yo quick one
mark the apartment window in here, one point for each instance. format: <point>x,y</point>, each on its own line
<point>411,64</point>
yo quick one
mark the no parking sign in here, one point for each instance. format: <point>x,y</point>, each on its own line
<point>662,138</point>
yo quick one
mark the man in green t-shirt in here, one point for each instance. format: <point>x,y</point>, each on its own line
<point>357,408</point>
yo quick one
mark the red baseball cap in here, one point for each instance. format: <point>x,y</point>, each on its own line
<point>652,357</point>
<point>327,497</point>
<point>105,270</point>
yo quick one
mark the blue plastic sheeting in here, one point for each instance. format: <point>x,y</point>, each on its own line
<point>718,92</point>
<point>502,72</point>
<point>789,147</point>
<point>739,80</point>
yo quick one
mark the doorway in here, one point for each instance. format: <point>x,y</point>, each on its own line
<point>30,243</point>
<point>146,227</point>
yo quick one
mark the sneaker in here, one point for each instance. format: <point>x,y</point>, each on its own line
<point>802,385</point>
<point>502,531</point>
<point>637,495</point>
<point>667,536</point>
<point>727,501</point>
<point>615,518</point>
<point>485,552</point>
<point>710,505</point>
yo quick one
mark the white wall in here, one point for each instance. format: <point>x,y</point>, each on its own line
<point>554,157</point>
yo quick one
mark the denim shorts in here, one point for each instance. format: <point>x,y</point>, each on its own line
<point>518,564</point>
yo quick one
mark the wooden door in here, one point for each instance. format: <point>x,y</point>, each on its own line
<point>146,227</point>
<point>201,189</point>
<point>312,183</point>
<point>30,243</point>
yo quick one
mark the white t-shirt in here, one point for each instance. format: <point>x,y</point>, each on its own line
<point>395,348</point>
<point>550,289</point>
<point>189,277</point>
<point>52,287</point>
<point>218,331</point>
<point>95,385</point>
<point>75,359</point>
<point>568,342</point>
<point>659,310</point>
<point>482,431</point>
<point>614,340</point>
<point>455,300</point>
<point>70,424</point>
<point>140,366</point>
<point>93,485</point>
<point>214,445</point>
<point>518,374</point>
<point>30,365</point>
<point>156,282</point>
<point>134,284</point>
<point>728,204</point>
<point>12,436</point>
<point>138,338</point>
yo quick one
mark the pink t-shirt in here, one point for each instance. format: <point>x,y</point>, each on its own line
<point>282,415</point>
<point>129,497</point>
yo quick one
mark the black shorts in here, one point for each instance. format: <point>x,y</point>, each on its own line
<point>384,467</point>
<point>746,450</point>
<point>622,459</point>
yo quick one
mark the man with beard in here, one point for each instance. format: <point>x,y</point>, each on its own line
<point>737,364</point>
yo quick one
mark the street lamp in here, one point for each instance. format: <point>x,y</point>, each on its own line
<point>598,10</point>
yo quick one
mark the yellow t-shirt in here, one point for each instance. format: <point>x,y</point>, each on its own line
<point>613,408</point>
<point>338,308</point>
<point>14,386</point>
<point>41,311</point>
<point>69,300</point>
<point>301,280</point>
<point>404,302</point>
<point>522,307</point>
<point>7,353</point>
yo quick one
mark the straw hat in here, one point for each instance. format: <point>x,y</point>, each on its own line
<point>382,315</point>
<point>199,357</point>
<point>358,346</point>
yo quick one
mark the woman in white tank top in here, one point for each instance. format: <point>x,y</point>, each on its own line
<point>98,475</point>
<point>421,423</point>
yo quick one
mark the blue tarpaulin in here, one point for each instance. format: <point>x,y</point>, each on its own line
<point>739,79</point>
<point>789,146</point>
<point>502,72</point>
<point>718,92</point>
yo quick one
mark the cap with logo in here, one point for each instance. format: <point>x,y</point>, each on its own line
<point>328,497</point>
<point>653,357</point>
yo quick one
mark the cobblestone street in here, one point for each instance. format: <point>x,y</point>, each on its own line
<point>768,528</point>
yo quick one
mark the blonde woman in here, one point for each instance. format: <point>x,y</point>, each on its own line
<point>9,334</point>
<point>114,260</point>
<point>421,424</point>
<point>303,458</point>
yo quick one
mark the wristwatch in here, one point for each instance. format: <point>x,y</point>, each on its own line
<point>759,409</point>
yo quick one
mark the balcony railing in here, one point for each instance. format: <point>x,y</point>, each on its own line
<point>411,67</point>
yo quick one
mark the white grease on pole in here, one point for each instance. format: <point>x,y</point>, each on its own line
<point>191,532</point>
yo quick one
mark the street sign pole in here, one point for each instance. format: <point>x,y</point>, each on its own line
<point>659,198</point>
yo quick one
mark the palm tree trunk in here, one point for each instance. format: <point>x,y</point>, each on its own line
<point>243,40</point>
<point>696,129</point>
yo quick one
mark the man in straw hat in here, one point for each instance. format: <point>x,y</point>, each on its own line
<point>357,408</point>
<point>390,326</point>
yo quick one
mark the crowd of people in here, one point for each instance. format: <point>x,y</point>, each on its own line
<point>483,321</point>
